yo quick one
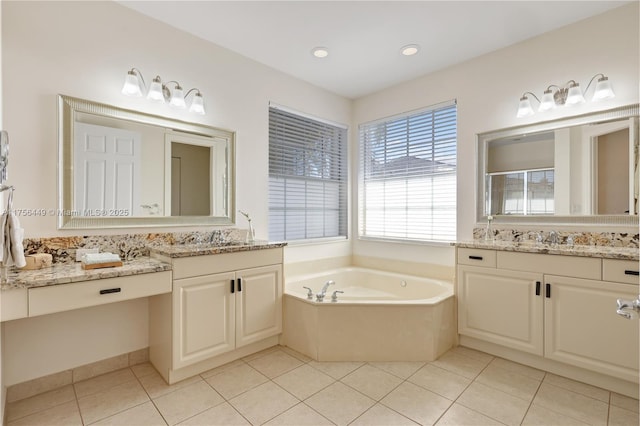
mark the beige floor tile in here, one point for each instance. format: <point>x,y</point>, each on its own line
<point>25,407</point>
<point>144,369</point>
<point>625,402</point>
<point>442,382</point>
<point>621,417</point>
<point>538,416</point>
<point>461,364</point>
<point>142,415</point>
<point>582,388</point>
<point>339,403</point>
<point>472,353</point>
<point>304,381</point>
<point>400,369</point>
<point>187,402</point>
<point>103,404</point>
<point>299,356</point>
<point>379,415</point>
<point>372,381</point>
<point>572,404</point>
<point>222,368</point>
<point>263,403</point>
<point>220,415</point>
<point>299,415</point>
<point>155,385</point>
<point>237,380</point>
<point>66,414</point>
<point>337,370</point>
<point>459,415</point>
<point>416,403</point>
<point>507,381</point>
<point>525,370</point>
<point>494,403</point>
<point>103,382</point>
<point>275,364</point>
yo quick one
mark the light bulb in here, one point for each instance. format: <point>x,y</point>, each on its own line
<point>197,105</point>
<point>603,90</point>
<point>131,85</point>
<point>155,90</point>
<point>177,98</point>
<point>524,107</point>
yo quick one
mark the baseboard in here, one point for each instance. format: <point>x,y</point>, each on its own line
<point>67,377</point>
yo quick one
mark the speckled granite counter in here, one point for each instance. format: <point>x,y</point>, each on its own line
<point>624,253</point>
<point>70,273</point>
<point>189,250</point>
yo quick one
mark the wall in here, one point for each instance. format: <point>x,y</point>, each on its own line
<point>487,89</point>
<point>3,394</point>
<point>85,52</point>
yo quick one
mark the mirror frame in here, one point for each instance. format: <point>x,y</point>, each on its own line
<point>68,107</point>
<point>483,139</point>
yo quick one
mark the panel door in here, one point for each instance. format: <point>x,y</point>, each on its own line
<point>258,304</point>
<point>107,169</point>
<point>583,329</point>
<point>204,318</point>
<point>502,307</point>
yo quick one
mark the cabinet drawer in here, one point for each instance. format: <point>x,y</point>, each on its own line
<point>477,257</point>
<point>568,266</point>
<point>64,297</point>
<point>621,271</point>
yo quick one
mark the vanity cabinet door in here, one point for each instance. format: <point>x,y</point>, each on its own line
<point>258,304</point>
<point>204,318</point>
<point>583,329</point>
<point>503,307</point>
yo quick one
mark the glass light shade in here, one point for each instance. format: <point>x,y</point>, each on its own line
<point>131,85</point>
<point>603,90</point>
<point>197,105</point>
<point>574,96</point>
<point>524,108</point>
<point>155,91</point>
<point>547,102</point>
<point>177,98</point>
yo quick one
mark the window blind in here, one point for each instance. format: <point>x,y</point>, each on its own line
<point>307,177</point>
<point>407,176</point>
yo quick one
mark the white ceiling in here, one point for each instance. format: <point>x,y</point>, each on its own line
<point>364,37</point>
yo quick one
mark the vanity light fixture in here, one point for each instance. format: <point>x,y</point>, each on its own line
<point>134,85</point>
<point>569,94</point>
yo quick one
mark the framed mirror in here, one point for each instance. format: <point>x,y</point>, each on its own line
<point>581,169</point>
<point>121,168</point>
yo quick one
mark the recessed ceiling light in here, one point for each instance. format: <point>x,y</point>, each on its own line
<point>410,49</point>
<point>320,52</point>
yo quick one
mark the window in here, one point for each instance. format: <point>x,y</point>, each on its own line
<point>527,192</point>
<point>407,182</point>
<point>307,177</point>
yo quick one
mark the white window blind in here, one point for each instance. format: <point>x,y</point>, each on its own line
<point>407,179</point>
<point>307,177</point>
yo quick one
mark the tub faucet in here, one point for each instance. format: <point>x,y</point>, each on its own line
<point>320,296</point>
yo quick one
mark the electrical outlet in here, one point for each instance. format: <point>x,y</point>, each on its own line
<point>81,252</point>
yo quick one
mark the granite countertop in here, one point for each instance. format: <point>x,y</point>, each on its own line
<point>623,253</point>
<point>190,250</point>
<point>70,273</point>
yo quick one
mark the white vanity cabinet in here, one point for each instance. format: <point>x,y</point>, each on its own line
<point>223,306</point>
<point>555,307</point>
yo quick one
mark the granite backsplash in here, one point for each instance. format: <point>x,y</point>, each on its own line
<point>604,239</point>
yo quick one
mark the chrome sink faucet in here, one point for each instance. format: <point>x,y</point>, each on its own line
<point>553,238</point>
<point>320,296</point>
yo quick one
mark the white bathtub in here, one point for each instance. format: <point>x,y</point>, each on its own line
<point>381,316</point>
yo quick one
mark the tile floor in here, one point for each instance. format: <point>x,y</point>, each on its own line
<point>282,387</point>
